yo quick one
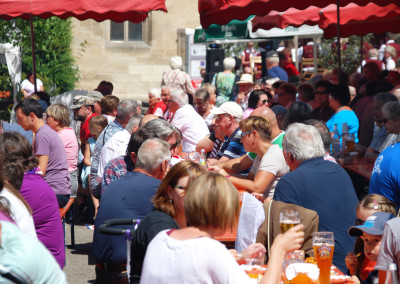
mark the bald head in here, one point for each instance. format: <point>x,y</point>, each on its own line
<point>269,115</point>
<point>147,118</point>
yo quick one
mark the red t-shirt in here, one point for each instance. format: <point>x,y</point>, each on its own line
<point>85,133</point>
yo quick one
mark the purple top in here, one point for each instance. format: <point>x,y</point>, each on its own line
<point>46,214</point>
<point>48,143</point>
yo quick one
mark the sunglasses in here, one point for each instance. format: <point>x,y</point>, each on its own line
<point>359,222</point>
<point>385,120</point>
<point>245,133</point>
<point>173,146</point>
<point>77,109</point>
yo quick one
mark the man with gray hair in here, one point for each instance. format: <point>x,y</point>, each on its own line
<point>128,197</point>
<point>318,185</point>
<point>157,128</point>
<point>125,111</point>
<point>116,145</point>
<point>187,120</point>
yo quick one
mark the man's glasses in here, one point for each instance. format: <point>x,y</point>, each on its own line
<point>221,117</point>
<point>173,146</point>
<point>77,108</point>
<point>245,133</point>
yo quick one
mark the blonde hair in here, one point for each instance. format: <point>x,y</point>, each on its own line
<point>259,124</point>
<point>59,112</point>
<point>183,169</point>
<point>377,202</point>
<point>212,201</point>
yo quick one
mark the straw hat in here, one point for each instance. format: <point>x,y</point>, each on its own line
<point>245,79</point>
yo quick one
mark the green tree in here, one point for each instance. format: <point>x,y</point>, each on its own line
<point>350,56</point>
<point>55,64</point>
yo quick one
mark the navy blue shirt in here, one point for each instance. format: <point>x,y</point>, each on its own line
<point>278,72</point>
<point>326,188</point>
<point>127,197</point>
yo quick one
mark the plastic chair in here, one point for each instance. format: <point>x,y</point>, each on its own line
<point>63,211</point>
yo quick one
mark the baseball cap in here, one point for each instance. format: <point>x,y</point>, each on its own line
<point>373,225</point>
<point>231,108</point>
<point>95,95</point>
<point>81,101</point>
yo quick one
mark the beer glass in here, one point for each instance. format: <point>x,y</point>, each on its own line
<point>350,142</point>
<point>324,247</point>
<point>288,219</point>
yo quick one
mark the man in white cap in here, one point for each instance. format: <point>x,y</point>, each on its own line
<point>245,87</point>
<point>227,118</point>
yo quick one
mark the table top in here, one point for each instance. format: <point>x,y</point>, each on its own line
<point>360,166</point>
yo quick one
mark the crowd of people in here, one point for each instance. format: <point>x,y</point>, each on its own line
<point>270,137</point>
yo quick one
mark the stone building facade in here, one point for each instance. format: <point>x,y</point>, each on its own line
<point>132,57</point>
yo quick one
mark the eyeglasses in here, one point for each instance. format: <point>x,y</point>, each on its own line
<point>385,120</point>
<point>180,187</point>
<point>173,146</point>
<point>359,222</point>
<point>245,133</point>
<point>321,93</point>
<point>77,108</point>
<point>221,117</point>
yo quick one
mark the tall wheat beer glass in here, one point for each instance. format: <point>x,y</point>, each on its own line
<point>324,246</point>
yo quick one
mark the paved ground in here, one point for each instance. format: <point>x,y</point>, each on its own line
<point>80,263</point>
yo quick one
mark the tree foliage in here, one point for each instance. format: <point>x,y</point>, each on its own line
<point>55,64</point>
<point>350,55</point>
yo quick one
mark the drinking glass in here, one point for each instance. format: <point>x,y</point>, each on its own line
<point>350,142</point>
<point>324,247</point>
<point>288,219</point>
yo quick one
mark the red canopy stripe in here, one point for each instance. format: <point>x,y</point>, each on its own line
<point>223,11</point>
<point>99,10</point>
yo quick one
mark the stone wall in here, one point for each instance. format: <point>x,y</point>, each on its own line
<point>133,68</point>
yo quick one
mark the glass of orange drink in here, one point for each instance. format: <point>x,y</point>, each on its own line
<point>324,247</point>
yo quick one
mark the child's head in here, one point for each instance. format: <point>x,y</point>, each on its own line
<point>371,233</point>
<point>373,203</point>
<point>97,124</point>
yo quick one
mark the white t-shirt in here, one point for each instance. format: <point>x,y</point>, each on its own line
<point>20,214</point>
<point>200,260</point>
<point>29,87</point>
<point>274,163</point>
<point>114,147</point>
<point>192,126</point>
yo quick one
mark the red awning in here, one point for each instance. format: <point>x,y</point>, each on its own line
<point>222,11</point>
<point>354,19</point>
<point>118,11</point>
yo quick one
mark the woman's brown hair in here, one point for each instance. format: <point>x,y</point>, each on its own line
<point>186,168</point>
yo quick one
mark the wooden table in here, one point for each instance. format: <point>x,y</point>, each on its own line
<point>360,166</point>
<point>228,239</point>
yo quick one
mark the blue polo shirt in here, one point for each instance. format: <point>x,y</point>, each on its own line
<point>326,188</point>
<point>385,178</point>
<point>127,197</point>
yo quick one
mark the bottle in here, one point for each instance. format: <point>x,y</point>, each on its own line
<point>335,142</point>
<point>391,274</point>
<point>203,159</point>
<point>345,132</point>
